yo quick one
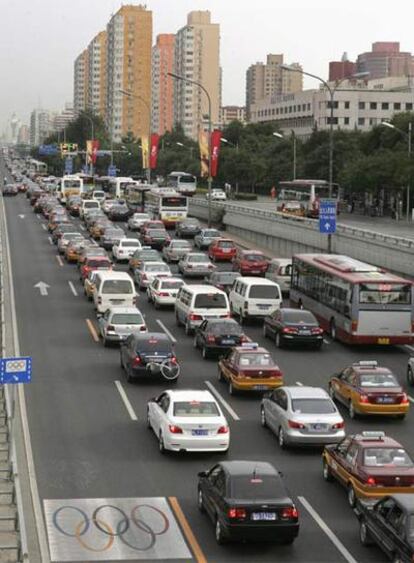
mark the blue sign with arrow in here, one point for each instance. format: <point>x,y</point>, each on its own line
<point>327,216</point>
<point>112,170</point>
<point>16,370</point>
<point>68,165</point>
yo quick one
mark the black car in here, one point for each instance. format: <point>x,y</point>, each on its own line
<point>10,189</point>
<point>217,335</point>
<point>248,500</point>
<point>293,326</point>
<point>119,212</point>
<point>388,523</point>
<point>110,237</point>
<point>222,280</point>
<point>188,228</point>
<point>155,238</point>
<point>149,354</point>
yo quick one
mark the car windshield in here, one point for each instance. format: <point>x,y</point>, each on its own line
<point>181,244</point>
<point>103,264</point>
<point>380,457</point>
<point>154,344</point>
<point>210,301</point>
<point>157,233</point>
<point>127,319</point>
<point>264,292</point>
<point>132,243</point>
<point>195,408</point>
<point>154,267</point>
<point>256,487</point>
<point>171,284</point>
<point>111,287</point>
<point>199,258</point>
<point>299,317</point>
<point>223,327</point>
<point>211,234</point>
<point>378,380</point>
<point>255,360</point>
<point>226,244</point>
<point>253,257</point>
<point>313,406</point>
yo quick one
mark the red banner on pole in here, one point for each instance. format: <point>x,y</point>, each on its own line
<point>154,150</point>
<point>95,148</point>
<point>215,151</point>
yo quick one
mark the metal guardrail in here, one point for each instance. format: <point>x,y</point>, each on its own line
<point>390,240</point>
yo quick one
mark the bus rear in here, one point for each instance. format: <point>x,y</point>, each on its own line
<point>172,209</point>
<point>183,183</point>
<point>70,185</point>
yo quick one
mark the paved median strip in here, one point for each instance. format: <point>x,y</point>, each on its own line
<point>225,404</point>
<point>325,528</point>
<point>187,530</point>
<point>92,330</point>
<point>167,332</point>
<point>125,400</point>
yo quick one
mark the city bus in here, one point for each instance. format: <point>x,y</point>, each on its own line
<point>37,167</point>
<point>306,193</point>
<point>355,302</point>
<point>135,195</point>
<point>167,205</point>
<point>70,184</point>
<point>117,186</point>
<point>183,183</point>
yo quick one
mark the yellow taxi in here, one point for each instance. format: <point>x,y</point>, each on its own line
<point>89,284</point>
<point>97,228</point>
<point>249,367</point>
<point>369,465</point>
<point>368,389</point>
<point>72,250</point>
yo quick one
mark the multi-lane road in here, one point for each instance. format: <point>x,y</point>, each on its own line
<point>90,441</point>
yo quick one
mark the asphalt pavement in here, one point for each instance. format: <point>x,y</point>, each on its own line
<point>87,446</point>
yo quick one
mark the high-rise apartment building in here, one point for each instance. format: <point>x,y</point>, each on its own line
<point>40,126</point>
<point>80,85</point>
<point>197,57</point>
<point>384,60</point>
<point>267,79</point>
<point>129,43</point>
<point>96,75</point>
<point>162,96</point>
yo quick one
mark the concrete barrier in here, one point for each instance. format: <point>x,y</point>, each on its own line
<point>286,235</point>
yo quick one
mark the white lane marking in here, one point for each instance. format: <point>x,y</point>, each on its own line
<point>125,399</point>
<point>73,289</point>
<point>299,383</point>
<point>222,401</point>
<point>82,227</point>
<point>59,260</point>
<point>411,348</point>
<point>326,341</point>
<point>167,332</point>
<point>44,227</point>
<point>334,539</point>
<point>50,240</point>
<point>38,216</point>
<point>411,399</point>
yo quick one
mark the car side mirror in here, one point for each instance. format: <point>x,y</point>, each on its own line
<point>202,474</point>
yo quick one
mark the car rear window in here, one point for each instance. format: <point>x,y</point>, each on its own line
<point>98,263</point>
<point>171,284</point>
<point>253,257</point>
<point>211,234</point>
<point>255,360</point>
<point>154,344</point>
<point>155,267</point>
<point>157,233</point>
<point>210,301</point>
<point>313,406</point>
<point>200,258</point>
<point>131,243</point>
<point>127,319</point>
<point>378,457</point>
<point>195,408</point>
<point>264,292</point>
<point>299,317</point>
<point>181,244</point>
<point>111,287</point>
<point>226,244</point>
<point>224,328</point>
<point>91,204</point>
<point>378,380</point>
<point>255,487</point>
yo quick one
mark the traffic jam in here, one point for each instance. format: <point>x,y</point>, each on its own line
<point>244,313</point>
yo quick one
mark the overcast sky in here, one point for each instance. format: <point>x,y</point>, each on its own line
<point>39,39</point>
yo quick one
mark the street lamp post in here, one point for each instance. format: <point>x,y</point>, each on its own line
<point>210,127</point>
<point>191,149</point>
<point>408,138</point>
<point>146,104</point>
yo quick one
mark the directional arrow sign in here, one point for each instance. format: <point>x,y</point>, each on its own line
<point>327,216</point>
<point>43,287</point>
<point>22,216</point>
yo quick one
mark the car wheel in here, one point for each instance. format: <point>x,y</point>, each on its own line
<point>205,353</point>
<point>288,541</point>
<point>278,340</point>
<point>200,501</point>
<point>281,438</point>
<point>161,445</point>
<point>188,330</point>
<point>410,376</point>
<point>351,496</point>
<point>241,317</point>
<point>332,329</point>
<point>364,534</point>
<point>220,376</point>
<point>121,361</point>
<point>105,342</point>
<point>326,471</point>
<point>177,320</point>
<point>156,304</point>
<point>332,393</point>
<point>263,417</point>
<point>264,330</point>
<point>352,413</point>
<point>231,388</point>
<point>148,420</point>
<point>195,343</point>
<point>149,297</point>
<point>220,539</point>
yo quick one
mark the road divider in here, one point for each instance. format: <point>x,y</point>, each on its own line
<point>92,330</point>
<point>126,401</point>
<point>59,260</point>
<point>167,332</point>
<point>325,528</point>
<point>73,288</point>
<point>187,530</point>
<point>225,404</point>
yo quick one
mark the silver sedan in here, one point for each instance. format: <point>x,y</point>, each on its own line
<point>195,264</point>
<point>302,416</point>
<point>205,237</point>
<point>176,249</point>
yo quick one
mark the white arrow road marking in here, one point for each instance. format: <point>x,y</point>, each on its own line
<point>22,216</point>
<point>43,287</point>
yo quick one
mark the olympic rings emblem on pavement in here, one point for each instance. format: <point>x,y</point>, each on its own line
<point>125,522</point>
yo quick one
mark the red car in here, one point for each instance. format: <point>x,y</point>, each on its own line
<point>152,224</point>
<point>222,249</point>
<point>94,263</point>
<point>250,263</point>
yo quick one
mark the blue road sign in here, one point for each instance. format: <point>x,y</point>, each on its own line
<point>112,170</point>
<point>68,165</point>
<point>16,370</point>
<point>327,216</point>
<point>48,150</point>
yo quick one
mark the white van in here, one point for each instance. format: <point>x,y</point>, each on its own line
<point>280,271</point>
<point>98,195</point>
<point>113,289</point>
<point>254,297</point>
<point>195,303</point>
<point>88,204</point>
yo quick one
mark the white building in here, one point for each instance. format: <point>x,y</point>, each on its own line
<point>40,126</point>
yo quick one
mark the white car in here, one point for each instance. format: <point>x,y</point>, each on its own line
<point>148,271</point>
<point>195,264</point>
<point>163,291</point>
<point>137,219</point>
<point>98,195</point>
<point>217,195</point>
<point>117,323</point>
<point>188,420</point>
<point>125,248</point>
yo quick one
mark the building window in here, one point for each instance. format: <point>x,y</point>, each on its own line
<point>334,121</point>
<point>309,106</point>
<point>373,105</point>
<point>303,107</point>
<point>346,120</point>
<point>397,105</point>
<point>408,106</point>
<point>329,105</point>
<point>361,120</point>
<point>361,105</point>
<point>346,105</point>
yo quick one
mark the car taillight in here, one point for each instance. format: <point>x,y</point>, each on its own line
<point>99,300</point>
<point>163,294</point>
<point>363,399</point>
<point>371,481</point>
<point>173,359</point>
<point>293,424</point>
<point>338,425</point>
<point>289,513</point>
<point>354,326</point>
<point>110,327</point>
<point>137,361</point>
<point>275,373</point>
<point>211,338</point>
<point>404,398</point>
<point>143,328</point>
<point>189,266</point>
<point>175,429</point>
<point>317,330</point>
<point>223,430</point>
<point>289,330</point>
<point>194,317</point>
<point>236,513</point>
<point>134,300</point>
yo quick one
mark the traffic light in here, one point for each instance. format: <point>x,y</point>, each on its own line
<point>66,148</point>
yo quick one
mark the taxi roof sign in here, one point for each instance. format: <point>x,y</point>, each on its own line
<point>250,345</point>
<point>373,434</point>
<point>366,364</point>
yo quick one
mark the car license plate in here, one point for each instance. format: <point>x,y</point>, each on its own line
<point>268,516</point>
<point>304,332</point>
<point>385,400</point>
<point>319,427</point>
<point>255,271</point>
<point>228,341</point>
<point>263,306</point>
<point>383,341</point>
<point>199,432</point>
<point>226,250</point>
<point>260,387</point>
<point>116,301</point>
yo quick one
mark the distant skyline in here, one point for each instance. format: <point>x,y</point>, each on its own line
<point>40,39</point>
